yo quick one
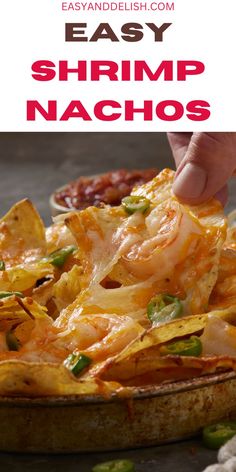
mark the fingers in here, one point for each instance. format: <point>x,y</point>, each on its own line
<point>207,163</point>
<point>179,143</point>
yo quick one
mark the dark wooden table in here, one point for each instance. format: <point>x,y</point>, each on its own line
<point>33,165</point>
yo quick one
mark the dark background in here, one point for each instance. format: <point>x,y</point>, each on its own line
<point>35,164</point>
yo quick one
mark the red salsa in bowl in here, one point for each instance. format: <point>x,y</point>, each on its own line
<point>108,188</point>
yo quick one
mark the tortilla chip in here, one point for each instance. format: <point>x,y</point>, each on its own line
<point>18,378</point>
<point>67,288</point>
<point>146,368</point>
<point>14,310</point>
<point>43,293</point>
<point>22,235</point>
<point>24,278</point>
<point>150,342</point>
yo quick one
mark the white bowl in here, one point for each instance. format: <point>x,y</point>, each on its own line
<point>57,209</point>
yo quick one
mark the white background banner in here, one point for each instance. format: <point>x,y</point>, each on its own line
<point>201,31</point>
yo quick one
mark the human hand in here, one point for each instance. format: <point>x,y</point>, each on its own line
<point>205,162</point>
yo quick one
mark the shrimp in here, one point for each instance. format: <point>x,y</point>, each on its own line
<point>43,344</point>
<point>40,345</point>
<point>171,235</point>
<point>100,335</point>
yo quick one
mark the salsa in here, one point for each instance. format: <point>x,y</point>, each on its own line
<point>107,188</point>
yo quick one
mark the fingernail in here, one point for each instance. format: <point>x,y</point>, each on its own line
<point>191,182</point>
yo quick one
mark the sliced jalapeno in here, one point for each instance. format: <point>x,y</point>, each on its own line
<point>2,265</point>
<point>135,203</point>
<point>9,294</point>
<point>77,362</point>
<point>164,308</point>
<point>58,257</point>
<point>122,465</point>
<point>216,435</point>
<point>13,343</point>
<point>184,347</point>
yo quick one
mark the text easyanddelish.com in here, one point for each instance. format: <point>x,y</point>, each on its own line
<point>117,6</point>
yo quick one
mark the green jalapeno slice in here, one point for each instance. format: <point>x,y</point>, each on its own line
<point>9,294</point>
<point>135,203</point>
<point>185,347</point>
<point>2,265</point>
<point>59,257</point>
<point>164,308</point>
<point>215,435</point>
<point>122,465</point>
<point>76,363</point>
<point>13,343</point>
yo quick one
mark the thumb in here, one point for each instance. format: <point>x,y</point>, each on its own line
<point>209,162</point>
